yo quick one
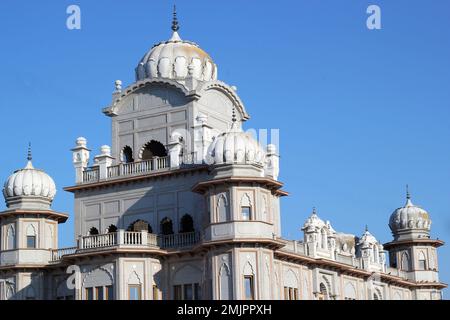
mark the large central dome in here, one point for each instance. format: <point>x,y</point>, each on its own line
<point>176,59</point>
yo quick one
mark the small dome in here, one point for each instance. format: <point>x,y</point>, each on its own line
<point>235,146</point>
<point>314,223</point>
<point>29,183</point>
<point>367,239</point>
<point>176,59</point>
<point>410,217</point>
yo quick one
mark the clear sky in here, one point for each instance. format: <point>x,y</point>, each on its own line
<point>361,112</point>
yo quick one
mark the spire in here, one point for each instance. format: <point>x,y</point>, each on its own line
<point>233,115</point>
<point>408,197</point>
<point>175,26</point>
<point>29,158</point>
<point>314,212</point>
<point>367,228</point>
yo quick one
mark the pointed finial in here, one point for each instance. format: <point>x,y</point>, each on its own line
<point>408,196</point>
<point>367,228</point>
<point>175,26</point>
<point>29,157</point>
<point>314,211</point>
<point>233,115</point>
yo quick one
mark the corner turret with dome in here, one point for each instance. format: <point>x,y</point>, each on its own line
<point>29,188</point>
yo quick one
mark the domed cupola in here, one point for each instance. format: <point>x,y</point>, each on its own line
<point>176,59</point>
<point>367,240</point>
<point>410,221</point>
<point>313,223</point>
<point>235,147</point>
<point>29,188</point>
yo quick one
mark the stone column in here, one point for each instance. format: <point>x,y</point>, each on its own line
<point>80,158</point>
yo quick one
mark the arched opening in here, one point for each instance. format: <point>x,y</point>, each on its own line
<point>31,237</point>
<point>153,149</point>
<point>127,154</point>
<point>112,228</point>
<point>166,226</point>
<point>405,262</point>
<point>186,224</point>
<point>324,239</point>
<point>377,295</point>
<point>140,225</point>
<point>11,238</point>
<point>93,231</point>
<point>422,261</point>
<point>323,295</point>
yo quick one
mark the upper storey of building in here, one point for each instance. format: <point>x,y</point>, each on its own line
<point>175,113</point>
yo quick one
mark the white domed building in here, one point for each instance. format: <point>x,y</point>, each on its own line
<point>185,204</point>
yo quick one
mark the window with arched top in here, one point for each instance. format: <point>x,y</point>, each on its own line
<point>31,237</point>
<point>112,228</point>
<point>186,224</point>
<point>126,155</point>
<point>323,291</point>
<point>246,208</point>
<point>405,264</point>
<point>422,261</point>
<point>140,225</point>
<point>222,208</point>
<point>93,231</point>
<point>153,149</point>
<point>11,238</point>
<point>166,226</point>
<point>324,241</point>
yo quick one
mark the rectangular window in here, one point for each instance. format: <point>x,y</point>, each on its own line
<point>246,213</point>
<point>31,242</point>
<point>155,292</point>
<point>99,293</point>
<point>177,294</point>
<point>134,292</point>
<point>89,293</point>
<point>248,288</point>
<point>109,292</point>
<point>197,291</point>
<point>188,292</point>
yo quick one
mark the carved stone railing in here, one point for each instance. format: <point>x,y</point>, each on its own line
<point>58,253</point>
<point>179,240</point>
<point>139,167</point>
<point>91,174</point>
<point>128,239</point>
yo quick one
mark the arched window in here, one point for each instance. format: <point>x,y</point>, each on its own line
<point>140,225</point>
<point>405,262</point>
<point>222,209</point>
<point>112,228</point>
<point>93,231</point>
<point>246,208</point>
<point>31,237</point>
<point>377,295</point>
<point>166,226</point>
<point>422,261</point>
<point>127,155</point>
<point>324,239</point>
<point>11,238</point>
<point>153,149</point>
<point>323,291</point>
<point>375,254</point>
<point>186,224</point>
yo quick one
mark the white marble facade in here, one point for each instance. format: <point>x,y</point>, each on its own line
<point>186,205</point>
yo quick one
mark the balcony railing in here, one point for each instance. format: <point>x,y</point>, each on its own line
<point>139,167</point>
<point>58,253</point>
<point>128,239</point>
<point>91,174</point>
<point>179,240</point>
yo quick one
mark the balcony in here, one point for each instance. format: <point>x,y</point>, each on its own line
<point>127,239</point>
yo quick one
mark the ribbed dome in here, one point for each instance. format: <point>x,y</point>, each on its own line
<point>235,146</point>
<point>410,217</point>
<point>367,239</point>
<point>313,223</point>
<point>176,59</point>
<point>29,182</point>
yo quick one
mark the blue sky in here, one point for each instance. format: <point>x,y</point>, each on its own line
<point>361,112</point>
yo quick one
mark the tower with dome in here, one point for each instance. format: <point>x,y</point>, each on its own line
<point>184,204</point>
